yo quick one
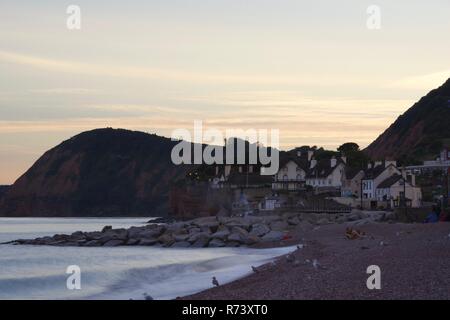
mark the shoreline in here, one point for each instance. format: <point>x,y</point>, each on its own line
<point>413,259</point>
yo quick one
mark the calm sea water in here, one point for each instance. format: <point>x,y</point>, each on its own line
<point>39,272</point>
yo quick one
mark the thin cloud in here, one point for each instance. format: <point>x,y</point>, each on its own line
<point>175,75</point>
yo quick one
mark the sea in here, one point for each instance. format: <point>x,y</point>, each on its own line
<point>112,273</point>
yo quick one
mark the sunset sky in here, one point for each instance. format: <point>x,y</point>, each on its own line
<point>311,69</point>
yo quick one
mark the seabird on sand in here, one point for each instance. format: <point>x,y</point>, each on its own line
<point>254,269</point>
<point>215,282</point>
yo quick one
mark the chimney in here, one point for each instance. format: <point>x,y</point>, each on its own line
<point>369,166</point>
<point>310,154</point>
<point>313,163</point>
<point>333,162</point>
<point>389,162</point>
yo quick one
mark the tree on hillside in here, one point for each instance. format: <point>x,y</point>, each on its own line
<point>355,157</point>
<point>348,147</point>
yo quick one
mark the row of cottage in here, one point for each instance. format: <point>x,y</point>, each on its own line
<point>381,184</point>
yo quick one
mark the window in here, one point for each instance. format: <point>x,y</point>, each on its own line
<point>285,177</point>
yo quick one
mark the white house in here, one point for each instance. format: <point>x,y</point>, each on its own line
<point>326,173</point>
<point>374,175</point>
<point>290,176</point>
<point>396,188</point>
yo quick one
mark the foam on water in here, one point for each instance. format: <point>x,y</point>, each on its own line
<point>38,272</point>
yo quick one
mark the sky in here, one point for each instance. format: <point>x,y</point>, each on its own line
<point>312,69</point>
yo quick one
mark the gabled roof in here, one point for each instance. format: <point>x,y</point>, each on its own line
<point>322,169</point>
<point>301,162</point>
<point>389,181</point>
<point>375,172</point>
<point>350,172</point>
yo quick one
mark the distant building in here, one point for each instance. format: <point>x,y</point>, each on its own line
<point>351,183</point>
<point>396,189</point>
<point>326,174</point>
<point>441,163</point>
<point>375,174</point>
<point>291,175</point>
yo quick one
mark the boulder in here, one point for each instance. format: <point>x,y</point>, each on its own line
<point>193,230</point>
<point>201,243</point>
<point>181,244</point>
<point>233,244</point>
<point>208,222</point>
<point>132,242</point>
<point>166,239</point>
<point>252,239</point>
<point>135,232</point>
<point>221,234</point>
<point>279,225</point>
<point>273,236</point>
<point>181,237</point>
<point>113,243</point>
<point>148,242</point>
<point>106,228</point>
<point>96,235</point>
<point>216,243</point>
<point>259,230</point>
<point>197,236</point>
<point>151,233</point>
<point>92,243</point>
<point>121,234</point>
<point>293,221</point>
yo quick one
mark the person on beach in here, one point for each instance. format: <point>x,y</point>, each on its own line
<point>433,216</point>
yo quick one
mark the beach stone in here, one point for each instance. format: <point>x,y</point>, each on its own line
<point>252,240</point>
<point>148,242</point>
<point>259,230</point>
<point>166,240</point>
<point>77,235</point>
<point>151,233</point>
<point>208,222</point>
<point>106,228</point>
<point>293,221</point>
<point>135,232</point>
<point>243,224</point>
<point>201,243</point>
<point>194,230</point>
<point>121,234</point>
<point>181,244</point>
<point>239,235</point>
<point>279,226</point>
<point>273,236</point>
<point>216,243</point>
<point>221,234</point>
<point>197,236</point>
<point>96,235</point>
<point>92,243</point>
<point>181,237</point>
<point>132,242</point>
<point>113,243</point>
<point>233,244</point>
